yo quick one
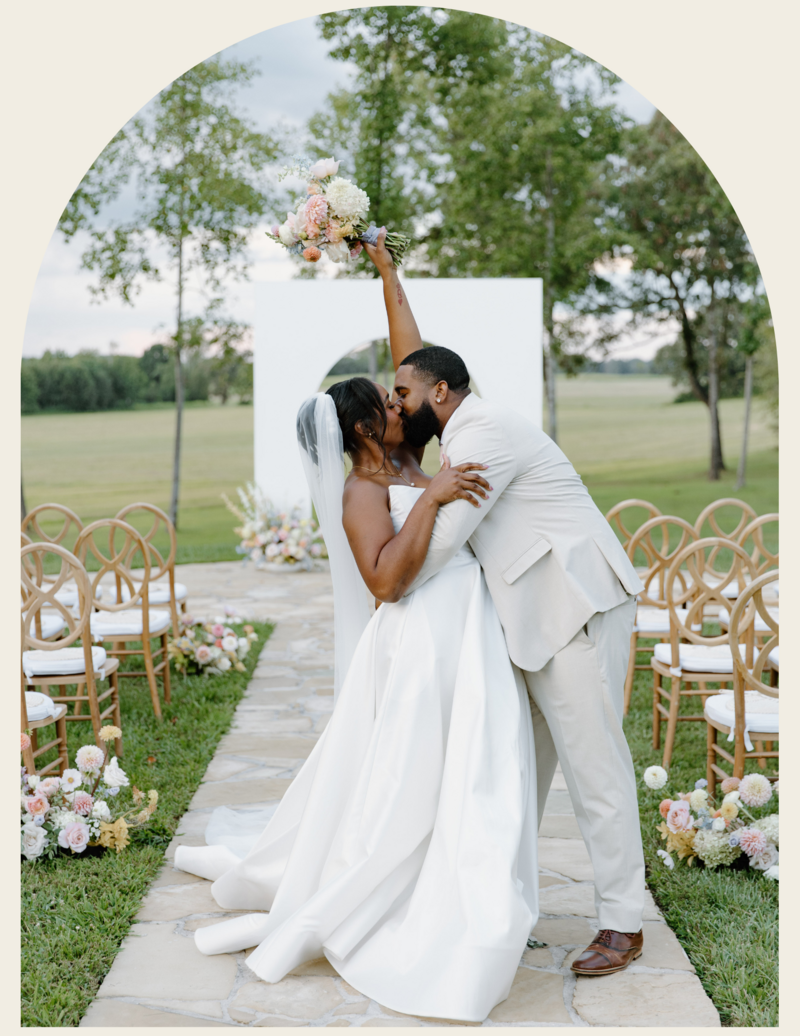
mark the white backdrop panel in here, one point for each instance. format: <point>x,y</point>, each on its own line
<point>303,327</point>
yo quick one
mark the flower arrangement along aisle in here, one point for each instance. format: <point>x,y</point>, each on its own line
<point>81,807</point>
<point>332,218</point>
<point>696,827</point>
<point>272,536</point>
<point>211,648</point>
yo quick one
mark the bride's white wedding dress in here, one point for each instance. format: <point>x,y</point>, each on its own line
<point>405,848</point>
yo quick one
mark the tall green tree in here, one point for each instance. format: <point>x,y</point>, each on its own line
<point>523,150</point>
<point>679,250</point>
<point>197,166</point>
<point>756,327</point>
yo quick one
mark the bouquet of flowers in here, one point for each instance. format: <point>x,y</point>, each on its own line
<point>332,218</point>
<point>211,648</point>
<point>278,537</point>
<point>80,808</point>
<point>696,827</point>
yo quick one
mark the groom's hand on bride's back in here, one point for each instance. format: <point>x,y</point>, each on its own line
<point>459,483</point>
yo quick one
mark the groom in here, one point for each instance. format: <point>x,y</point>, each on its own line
<point>565,593</point>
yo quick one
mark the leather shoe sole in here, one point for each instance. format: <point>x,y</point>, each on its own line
<point>606,971</point>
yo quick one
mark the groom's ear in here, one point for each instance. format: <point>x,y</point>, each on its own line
<point>440,391</point>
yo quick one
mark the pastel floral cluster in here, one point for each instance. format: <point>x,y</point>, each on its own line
<point>272,536</point>
<point>80,808</point>
<point>694,826</point>
<point>331,218</point>
<point>212,648</point>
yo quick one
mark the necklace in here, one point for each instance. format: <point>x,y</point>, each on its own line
<point>397,473</point>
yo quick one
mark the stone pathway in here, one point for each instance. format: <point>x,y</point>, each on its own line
<point>159,979</point>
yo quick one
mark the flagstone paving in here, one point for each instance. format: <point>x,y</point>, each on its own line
<point>159,979</point>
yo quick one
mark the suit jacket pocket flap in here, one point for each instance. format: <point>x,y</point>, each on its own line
<point>524,561</point>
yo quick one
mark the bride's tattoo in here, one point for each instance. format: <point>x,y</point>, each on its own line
<point>399,295</point>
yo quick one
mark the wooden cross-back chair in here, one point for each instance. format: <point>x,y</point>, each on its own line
<point>163,589</point>
<point>615,517</point>
<point>656,540</point>
<point>749,716</point>
<point>66,536</point>
<point>710,516</point>
<point>692,659</point>
<point>69,658</point>
<point>125,616</point>
<point>764,559</point>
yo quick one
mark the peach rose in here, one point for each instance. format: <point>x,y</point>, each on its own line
<point>26,742</point>
<point>36,805</point>
<point>664,807</point>
<point>679,818</point>
<point>312,254</point>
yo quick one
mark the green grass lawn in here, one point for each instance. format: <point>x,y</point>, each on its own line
<point>726,919</point>
<point>76,911</point>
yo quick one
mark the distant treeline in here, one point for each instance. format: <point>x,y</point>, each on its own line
<point>359,364</point>
<point>89,381</point>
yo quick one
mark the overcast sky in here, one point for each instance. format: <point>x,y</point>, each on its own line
<point>296,75</point>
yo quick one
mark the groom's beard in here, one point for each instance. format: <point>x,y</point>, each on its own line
<point>421,426</point>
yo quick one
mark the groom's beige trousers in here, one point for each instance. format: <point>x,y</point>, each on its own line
<point>576,704</point>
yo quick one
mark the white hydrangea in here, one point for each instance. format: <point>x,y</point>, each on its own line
<point>698,799</point>
<point>61,817</point>
<point>346,200</point>
<point>769,825</point>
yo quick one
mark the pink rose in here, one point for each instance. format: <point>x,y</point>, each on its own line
<point>356,250</point>
<point>679,818</point>
<point>74,836</point>
<point>664,806</point>
<point>324,167</point>
<point>312,231</point>
<point>275,229</point>
<point>49,786</point>
<point>82,803</point>
<point>36,805</point>
<point>203,654</point>
<point>218,629</point>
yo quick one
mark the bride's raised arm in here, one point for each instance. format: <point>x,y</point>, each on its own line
<point>404,336</point>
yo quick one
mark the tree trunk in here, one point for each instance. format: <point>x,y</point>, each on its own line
<point>717,463</point>
<point>176,464</point>
<point>748,396</point>
<point>22,498</point>
<point>547,305</point>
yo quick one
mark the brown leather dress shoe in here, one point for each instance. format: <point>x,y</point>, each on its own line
<point>609,952</point>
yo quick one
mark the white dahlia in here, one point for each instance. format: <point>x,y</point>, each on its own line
<point>755,790</point>
<point>655,777</point>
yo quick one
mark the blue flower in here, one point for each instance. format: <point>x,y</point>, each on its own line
<point>702,783</point>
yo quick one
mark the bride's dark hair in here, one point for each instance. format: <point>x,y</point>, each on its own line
<point>358,399</point>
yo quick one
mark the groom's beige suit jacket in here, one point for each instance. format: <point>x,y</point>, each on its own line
<point>550,558</point>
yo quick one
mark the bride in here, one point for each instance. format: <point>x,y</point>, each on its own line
<point>405,848</point>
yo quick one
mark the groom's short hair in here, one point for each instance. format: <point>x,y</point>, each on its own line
<point>436,364</point>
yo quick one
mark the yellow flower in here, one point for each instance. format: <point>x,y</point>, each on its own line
<point>680,842</point>
<point>114,836</point>
<point>729,810</point>
<point>109,733</point>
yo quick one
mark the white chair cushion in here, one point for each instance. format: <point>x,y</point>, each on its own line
<point>127,623</point>
<point>760,714</point>
<point>68,594</point>
<point>697,658</point>
<point>656,620</point>
<point>52,623</point>
<point>774,656</point>
<point>62,662</point>
<point>39,706</point>
<point>158,593</point>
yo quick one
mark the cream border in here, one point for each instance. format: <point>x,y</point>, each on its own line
<point>73,74</point>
